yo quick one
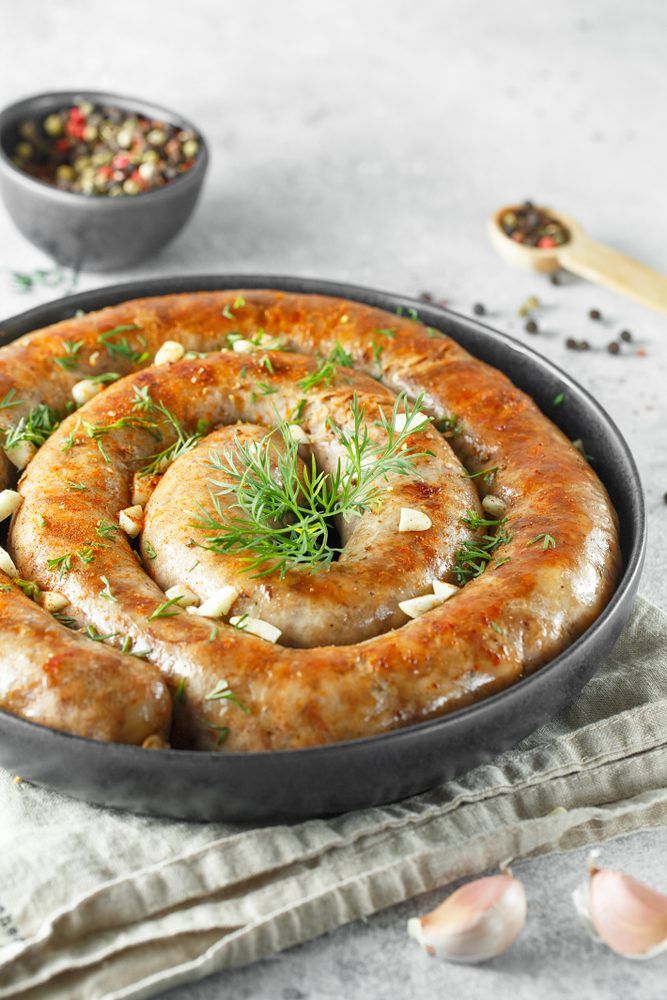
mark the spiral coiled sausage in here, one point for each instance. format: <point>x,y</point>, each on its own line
<point>350,663</point>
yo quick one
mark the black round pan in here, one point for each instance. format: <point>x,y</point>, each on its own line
<point>331,779</point>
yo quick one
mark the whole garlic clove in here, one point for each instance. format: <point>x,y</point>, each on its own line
<point>477,922</point>
<point>624,913</point>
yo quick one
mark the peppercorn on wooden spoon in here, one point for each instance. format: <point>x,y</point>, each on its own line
<point>584,257</point>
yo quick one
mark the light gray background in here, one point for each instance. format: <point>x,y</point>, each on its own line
<point>368,141</point>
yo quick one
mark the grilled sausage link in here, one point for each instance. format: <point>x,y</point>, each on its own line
<point>63,680</point>
<point>551,577</point>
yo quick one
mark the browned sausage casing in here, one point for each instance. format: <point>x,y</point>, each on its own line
<point>517,615</point>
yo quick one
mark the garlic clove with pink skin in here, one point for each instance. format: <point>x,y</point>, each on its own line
<point>624,913</point>
<point>477,922</point>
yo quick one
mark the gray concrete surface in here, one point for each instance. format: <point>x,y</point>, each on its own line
<point>368,141</point>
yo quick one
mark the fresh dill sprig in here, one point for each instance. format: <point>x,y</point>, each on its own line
<point>120,347</point>
<point>184,442</point>
<point>282,518</point>
<point>29,587</point>
<point>36,427</point>
<point>449,426</point>
<point>9,400</point>
<point>223,692</point>
<point>325,373</point>
<point>486,474</point>
<point>475,554</point>
<point>548,541</point>
<point>69,361</point>
<point>107,529</point>
<point>166,610</point>
<point>62,563</point>
<point>339,356</point>
<point>107,592</point>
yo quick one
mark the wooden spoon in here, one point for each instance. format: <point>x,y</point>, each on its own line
<point>585,257</point>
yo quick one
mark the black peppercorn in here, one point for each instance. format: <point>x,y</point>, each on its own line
<point>626,336</point>
<point>571,344</point>
<point>479,309</point>
<point>425,297</point>
<point>613,347</point>
<point>531,326</point>
<point>554,278</point>
<point>594,314</point>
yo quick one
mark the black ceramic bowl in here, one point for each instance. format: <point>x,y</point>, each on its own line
<point>86,232</point>
<point>330,779</point>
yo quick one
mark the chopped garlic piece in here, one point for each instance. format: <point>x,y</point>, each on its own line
<point>417,422</point>
<point>10,501</point>
<point>297,433</point>
<point>131,520</point>
<point>7,563</point>
<point>219,603</point>
<point>494,506</point>
<point>262,629</point>
<point>243,346</point>
<point>85,390</point>
<point>187,598</point>
<point>417,606</point>
<point>170,352</point>
<point>142,488</point>
<point>444,590</point>
<point>413,520</point>
<point>52,601</point>
<point>21,454</point>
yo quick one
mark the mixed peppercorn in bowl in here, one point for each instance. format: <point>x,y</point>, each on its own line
<point>96,180</point>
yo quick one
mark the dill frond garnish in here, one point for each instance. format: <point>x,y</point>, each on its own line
<point>475,554</point>
<point>282,516</point>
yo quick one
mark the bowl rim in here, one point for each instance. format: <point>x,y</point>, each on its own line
<point>181,284</point>
<point>22,108</point>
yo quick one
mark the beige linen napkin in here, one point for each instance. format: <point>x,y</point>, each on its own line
<point>100,904</point>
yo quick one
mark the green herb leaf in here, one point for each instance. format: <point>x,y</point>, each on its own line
<point>548,541</point>
<point>166,610</point>
<point>107,593</point>
<point>36,427</point>
<point>9,400</point>
<point>69,360</point>
<point>120,347</point>
<point>223,692</point>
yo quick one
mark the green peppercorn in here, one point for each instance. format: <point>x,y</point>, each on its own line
<point>190,149</point>
<point>53,125</point>
<point>65,174</point>
<point>157,137</point>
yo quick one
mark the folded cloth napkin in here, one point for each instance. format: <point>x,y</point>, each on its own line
<point>99,904</point>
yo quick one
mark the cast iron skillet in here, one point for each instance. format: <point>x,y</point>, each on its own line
<point>317,781</point>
